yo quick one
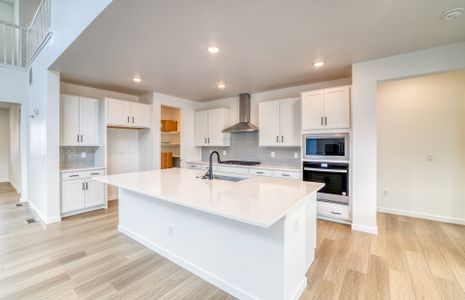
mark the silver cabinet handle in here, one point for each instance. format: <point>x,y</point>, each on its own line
<point>326,120</point>
<point>82,138</point>
<point>83,186</point>
<point>277,139</point>
<point>87,185</point>
<point>75,175</point>
<point>205,140</point>
<point>335,213</point>
<point>259,173</point>
<point>94,173</point>
<point>325,170</point>
<point>321,121</point>
<point>282,139</point>
<point>285,175</point>
<point>78,138</point>
<point>128,120</point>
<point>132,120</point>
<point>209,140</point>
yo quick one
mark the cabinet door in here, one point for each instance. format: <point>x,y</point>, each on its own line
<point>290,122</point>
<point>73,195</point>
<point>95,193</point>
<point>312,110</point>
<point>218,119</point>
<point>119,112</point>
<point>69,119</point>
<point>141,115</point>
<point>89,121</point>
<point>201,128</point>
<point>268,114</point>
<point>337,107</point>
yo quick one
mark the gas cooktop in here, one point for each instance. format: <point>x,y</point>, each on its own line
<point>240,162</point>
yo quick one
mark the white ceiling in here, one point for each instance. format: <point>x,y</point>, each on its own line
<point>265,44</point>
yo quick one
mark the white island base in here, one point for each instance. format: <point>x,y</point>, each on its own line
<point>247,261</point>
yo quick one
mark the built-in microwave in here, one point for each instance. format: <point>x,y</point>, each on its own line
<point>326,146</point>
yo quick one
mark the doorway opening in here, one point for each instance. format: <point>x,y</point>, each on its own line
<point>170,137</point>
<point>10,146</point>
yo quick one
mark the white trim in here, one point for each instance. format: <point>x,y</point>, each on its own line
<point>363,228</point>
<point>299,290</point>
<point>207,276</point>
<point>334,220</point>
<point>22,200</point>
<point>419,215</point>
<point>42,218</point>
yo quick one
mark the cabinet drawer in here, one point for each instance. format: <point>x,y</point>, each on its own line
<point>260,172</point>
<point>82,174</point>
<point>333,210</point>
<point>287,174</point>
<point>233,170</point>
<point>200,166</point>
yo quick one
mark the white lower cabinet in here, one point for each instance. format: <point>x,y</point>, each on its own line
<point>80,193</point>
<point>334,211</point>
<point>287,174</point>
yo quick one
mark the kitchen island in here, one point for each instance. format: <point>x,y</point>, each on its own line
<point>254,238</point>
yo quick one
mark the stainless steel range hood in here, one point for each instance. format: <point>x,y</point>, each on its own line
<point>244,124</point>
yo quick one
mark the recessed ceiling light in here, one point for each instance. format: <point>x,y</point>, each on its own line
<point>452,14</point>
<point>213,49</point>
<point>221,85</point>
<point>136,79</point>
<point>318,64</point>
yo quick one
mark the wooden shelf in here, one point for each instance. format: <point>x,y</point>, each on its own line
<point>170,144</point>
<point>170,132</point>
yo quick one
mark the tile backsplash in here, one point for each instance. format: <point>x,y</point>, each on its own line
<point>72,156</point>
<point>244,146</point>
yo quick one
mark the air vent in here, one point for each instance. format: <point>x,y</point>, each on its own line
<point>30,221</point>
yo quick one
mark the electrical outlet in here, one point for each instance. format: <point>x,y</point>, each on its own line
<point>83,155</point>
<point>429,157</point>
<point>272,154</point>
<point>296,155</point>
<point>224,152</point>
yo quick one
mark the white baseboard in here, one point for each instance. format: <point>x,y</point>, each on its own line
<point>299,290</point>
<point>363,228</point>
<point>418,215</point>
<point>42,218</point>
<point>207,276</point>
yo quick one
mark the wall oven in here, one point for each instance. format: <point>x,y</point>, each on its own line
<point>328,146</point>
<point>335,176</point>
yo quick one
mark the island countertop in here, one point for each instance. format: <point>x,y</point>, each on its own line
<point>257,200</point>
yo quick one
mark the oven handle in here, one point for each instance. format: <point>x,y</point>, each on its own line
<point>325,170</point>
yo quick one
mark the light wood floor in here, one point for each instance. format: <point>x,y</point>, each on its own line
<point>86,257</point>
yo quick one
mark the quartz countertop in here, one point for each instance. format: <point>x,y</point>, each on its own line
<point>78,168</point>
<point>257,200</point>
<point>281,167</point>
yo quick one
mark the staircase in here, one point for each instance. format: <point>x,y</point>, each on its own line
<point>20,45</point>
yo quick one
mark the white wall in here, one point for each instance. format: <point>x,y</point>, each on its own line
<point>7,12</point>
<point>4,145</point>
<point>233,102</point>
<point>365,77</point>
<point>418,117</point>
<point>15,149</point>
<point>69,18</point>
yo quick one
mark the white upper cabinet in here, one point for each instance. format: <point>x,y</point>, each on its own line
<point>79,120</point>
<point>268,114</point>
<point>209,125</point>
<point>129,114</point>
<point>141,115</point>
<point>89,121</point>
<point>119,112</point>
<point>279,122</point>
<point>326,109</point>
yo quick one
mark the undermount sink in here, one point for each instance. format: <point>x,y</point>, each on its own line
<point>225,177</point>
